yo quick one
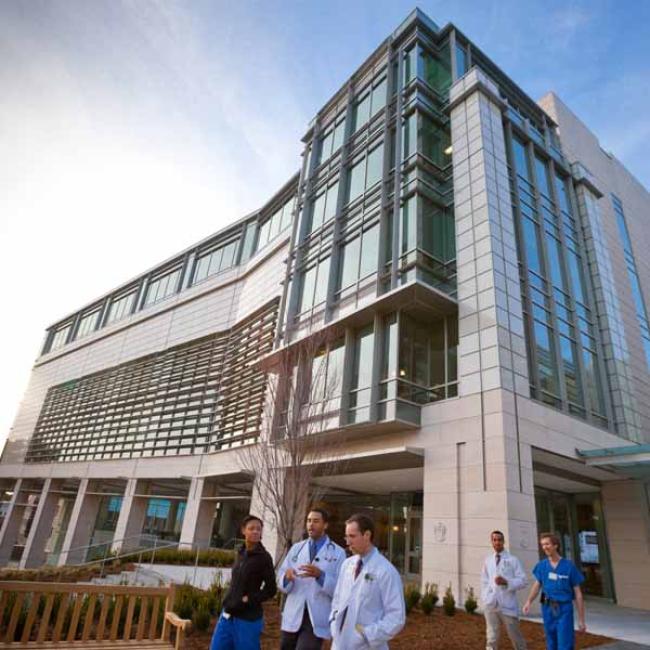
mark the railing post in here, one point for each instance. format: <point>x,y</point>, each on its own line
<point>153,554</point>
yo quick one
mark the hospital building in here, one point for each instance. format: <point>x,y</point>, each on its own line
<point>481,266</point>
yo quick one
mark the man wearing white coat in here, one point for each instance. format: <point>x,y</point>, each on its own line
<point>308,576</point>
<point>501,577</point>
<point>368,605</point>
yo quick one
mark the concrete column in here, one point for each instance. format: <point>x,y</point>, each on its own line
<point>131,519</point>
<point>491,344</point>
<point>80,527</point>
<point>11,525</point>
<point>39,533</point>
<point>197,523</point>
<point>475,481</point>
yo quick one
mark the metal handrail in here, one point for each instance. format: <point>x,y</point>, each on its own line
<point>87,547</point>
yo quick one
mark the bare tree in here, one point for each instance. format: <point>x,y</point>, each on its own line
<point>295,448</point>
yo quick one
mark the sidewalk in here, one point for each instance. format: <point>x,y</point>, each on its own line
<point>624,623</point>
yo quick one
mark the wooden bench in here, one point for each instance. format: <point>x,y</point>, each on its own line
<point>72,615</point>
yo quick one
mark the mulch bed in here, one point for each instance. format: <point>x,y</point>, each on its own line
<point>460,632</point>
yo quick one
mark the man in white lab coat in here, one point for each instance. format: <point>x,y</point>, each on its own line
<point>368,605</point>
<point>308,576</point>
<point>501,577</point>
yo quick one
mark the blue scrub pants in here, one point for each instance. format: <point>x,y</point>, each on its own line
<point>237,634</point>
<point>558,626</point>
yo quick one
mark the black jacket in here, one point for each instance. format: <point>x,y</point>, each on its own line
<point>253,576</point>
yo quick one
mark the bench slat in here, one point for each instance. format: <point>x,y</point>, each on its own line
<point>76,612</point>
<point>116,617</point>
<point>129,618</point>
<point>142,618</point>
<point>90,615</point>
<point>101,625</point>
<point>13,621</point>
<point>45,620</point>
<point>60,618</point>
<point>31,615</point>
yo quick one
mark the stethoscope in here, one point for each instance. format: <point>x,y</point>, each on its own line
<point>328,546</point>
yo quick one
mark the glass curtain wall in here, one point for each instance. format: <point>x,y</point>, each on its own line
<point>427,233</point>
<point>565,359</point>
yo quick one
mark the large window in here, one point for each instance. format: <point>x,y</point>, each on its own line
<point>369,102</point>
<point>87,323</point>
<point>121,307</point>
<point>361,381</point>
<point>564,357</point>
<point>215,261</point>
<point>635,285</point>
<point>276,224</point>
<point>314,285</point>
<point>60,336</point>
<point>331,140</point>
<point>365,173</point>
<point>162,287</point>
<point>324,206</point>
<point>359,257</point>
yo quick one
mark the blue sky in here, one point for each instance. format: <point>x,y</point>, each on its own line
<point>130,129</point>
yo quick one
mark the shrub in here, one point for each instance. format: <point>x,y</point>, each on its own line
<point>411,596</point>
<point>471,604</point>
<point>201,616</point>
<point>449,602</point>
<point>429,598</point>
<point>214,557</point>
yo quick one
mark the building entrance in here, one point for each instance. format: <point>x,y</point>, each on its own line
<point>578,521</point>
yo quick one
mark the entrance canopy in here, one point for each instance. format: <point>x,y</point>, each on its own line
<point>630,461</point>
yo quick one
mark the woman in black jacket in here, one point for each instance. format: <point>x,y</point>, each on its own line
<point>252,582</point>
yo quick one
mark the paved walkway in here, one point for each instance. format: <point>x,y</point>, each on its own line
<point>620,645</point>
<point>624,623</point>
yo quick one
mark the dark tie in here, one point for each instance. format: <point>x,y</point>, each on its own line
<point>357,571</point>
<point>312,551</point>
<point>498,558</point>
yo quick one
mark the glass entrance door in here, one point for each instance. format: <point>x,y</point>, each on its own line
<point>577,519</point>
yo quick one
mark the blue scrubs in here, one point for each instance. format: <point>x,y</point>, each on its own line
<point>237,634</point>
<point>557,585</point>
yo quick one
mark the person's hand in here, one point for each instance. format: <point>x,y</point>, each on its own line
<point>309,571</point>
<point>359,628</point>
<point>290,575</point>
<point>526,608</point>
<point>500,580</point>
<point>582,626</point>
<point>244,599</point>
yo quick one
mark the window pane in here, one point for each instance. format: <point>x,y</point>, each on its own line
<point>546,359</point>
<point>570,368</point>
<point>563,199</point>
<point>326,146</point>
<point>322,279</point>
<point>433,141</point>
<point>378,97</point>
<point>356,177</point>
<point>361,112</point>
<point>339,134</point>
<point>409,225</point>
<point>375,165</point>
<point>461,60</point>
<point>307,293</point>
<point>332,199</point>
<point>531,242</point>
<point>437,73</point>
<point>369,251</point>
<point>519,153</point>
<point>542,176</point>
<point>318,208</point>
<point>410,135</point>
<point>349,263</point>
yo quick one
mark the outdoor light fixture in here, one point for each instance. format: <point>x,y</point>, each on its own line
<point>448,150</point>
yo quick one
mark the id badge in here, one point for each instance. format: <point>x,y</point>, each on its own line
<point>552,575</point>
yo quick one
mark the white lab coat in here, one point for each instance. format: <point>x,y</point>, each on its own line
<point>308,591</point>
<point>374,600</point>
<point>503,599</point>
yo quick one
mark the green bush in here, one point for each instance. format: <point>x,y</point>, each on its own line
<point>449,602</point>
<point>411,596</point>
<point>471,604</point>
<point>201,616</point>
<point>214,557</point>
<point>429,598</point>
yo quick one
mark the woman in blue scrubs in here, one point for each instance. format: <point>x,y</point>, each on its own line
<point>559,580</point>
